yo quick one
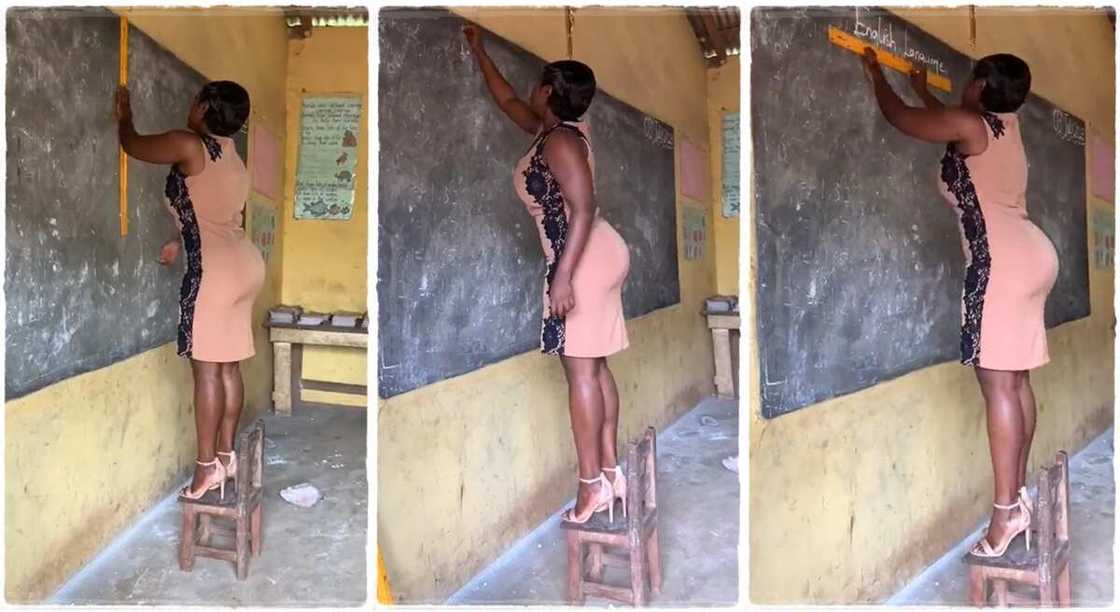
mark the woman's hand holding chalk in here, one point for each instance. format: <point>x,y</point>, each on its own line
<point>918,78</point>
<point>473,35</point>
<point>122,111</point>
<point>871,63</point>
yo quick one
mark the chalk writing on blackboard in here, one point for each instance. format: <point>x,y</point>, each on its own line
<point>328,157</point>
<point>657,133</point>
<point>730,165</point>
<point>1067,127</point>
<point>883,36</point>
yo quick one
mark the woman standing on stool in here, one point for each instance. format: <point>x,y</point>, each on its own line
<point>587,263</point>
<point>1010,264</point>
<point>206,192</point>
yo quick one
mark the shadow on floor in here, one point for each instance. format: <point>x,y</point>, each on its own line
<point>310,556</point>
<point>1091,524</point>
<point>698,507</point>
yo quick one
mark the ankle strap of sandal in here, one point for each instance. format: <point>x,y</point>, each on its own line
<point>592,480</point>
<point>206,463</point>
<point>230,453</point>
<point>1011,507</point>
<point>616,469</point>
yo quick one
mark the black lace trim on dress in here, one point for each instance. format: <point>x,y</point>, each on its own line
<point>994,122</point>
<point>213,147</point>
<point>545,191</point>
<point>955,175</point>
<point>177,194</point>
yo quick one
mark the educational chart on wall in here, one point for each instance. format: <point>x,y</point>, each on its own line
<point>79,296</point>
<point>730,174</point>
<point>460,266</point>
<point>693,221</point>
<point>328,156</point>
<point>694,171</point>
<point>860,268</point>
<point>262,219</point>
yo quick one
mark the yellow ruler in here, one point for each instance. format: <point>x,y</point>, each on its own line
<point>846,41</point>
<point>123,157</point>
<point>384,595</point>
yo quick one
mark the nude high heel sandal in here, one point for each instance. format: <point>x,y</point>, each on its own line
<point>603,501</point>
<point>1022,525</point>
<point>216,480</point>
<point>618,483</point>
<point>231,466</point>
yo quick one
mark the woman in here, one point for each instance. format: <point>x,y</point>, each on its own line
<point>587,262</point>
<point>206,191</point>
<point>1010,264</point>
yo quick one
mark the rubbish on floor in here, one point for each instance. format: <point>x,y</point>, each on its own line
<point>708,421</point>
<point>731,463</point>
<point>303,495</point>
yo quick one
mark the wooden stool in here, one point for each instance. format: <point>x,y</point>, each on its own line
<point>243,506</point>
<point>1046,565</point>
<point>636,534</point>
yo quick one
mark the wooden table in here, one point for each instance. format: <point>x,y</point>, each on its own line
<point>721,324</point>
<point>287,349</point>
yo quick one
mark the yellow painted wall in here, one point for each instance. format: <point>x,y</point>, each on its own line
<point>723,97</point>
<point>468,465</point>
<point>325,261</point>
<point>853,497</point>
<point>86,456</point>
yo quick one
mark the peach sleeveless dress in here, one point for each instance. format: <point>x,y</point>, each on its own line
<point>224,271</point>
<point>595,327</point>
<point>1011,265</point>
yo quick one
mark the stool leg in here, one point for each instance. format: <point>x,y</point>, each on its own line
<point>204,529</point>
<point>186,544</point>
<point>653,552</point>
<point>242,548</point>
<point>255,530</point>
<point>638,573</point>
<point>1064,591</point>
<point>1000,588</point>
<point>595,561</point>
<point>977,587</point>
<point>575,569</point>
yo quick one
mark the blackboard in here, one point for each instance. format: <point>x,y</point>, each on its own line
<point>859,259</point>
<point>79,295</point>
<point>459,262</point>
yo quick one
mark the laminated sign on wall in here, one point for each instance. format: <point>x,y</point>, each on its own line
<point>731,165</point>
<point>328,157</point>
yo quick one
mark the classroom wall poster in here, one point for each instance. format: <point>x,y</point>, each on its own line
<point>264,154</point>
<point>1104,237</point>
<point>1102,176</point>
<point>695,234</point>
<point>730,165</point>
<point>328,156</point>
<point>694,171</point>
<point>262,220</point>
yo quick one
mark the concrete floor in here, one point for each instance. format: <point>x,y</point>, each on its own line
<point>698,505</point>
<point>1092,525</point>
<point>311,556</point>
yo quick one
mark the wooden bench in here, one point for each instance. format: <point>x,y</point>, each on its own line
<point>1046,566</point>
<point>287,350</point>
<point>243,507</point>
<point>636,536</point>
